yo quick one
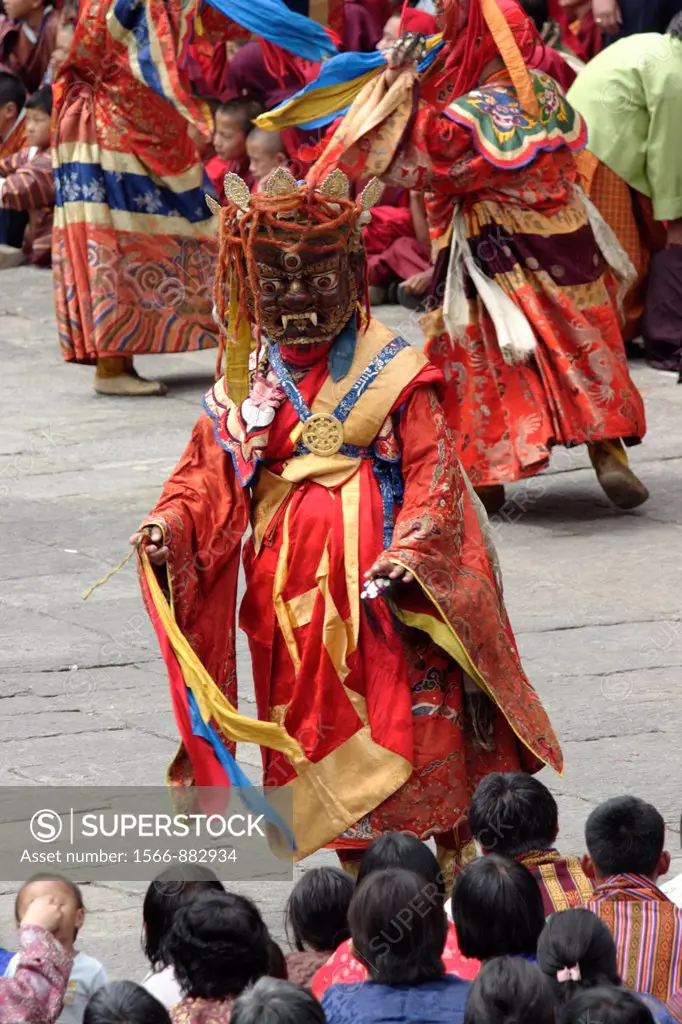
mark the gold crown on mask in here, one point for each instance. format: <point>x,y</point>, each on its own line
<point>333,192</point>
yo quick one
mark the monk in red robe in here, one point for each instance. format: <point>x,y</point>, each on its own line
<point>382,713</point>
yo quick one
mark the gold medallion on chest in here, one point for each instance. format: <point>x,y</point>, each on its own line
<point>322,434</point>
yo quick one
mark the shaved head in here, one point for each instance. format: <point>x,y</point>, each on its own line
<point>265,151</point>
<point>267,142</point>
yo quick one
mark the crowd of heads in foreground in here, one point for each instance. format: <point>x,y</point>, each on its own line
<point>528,932</point>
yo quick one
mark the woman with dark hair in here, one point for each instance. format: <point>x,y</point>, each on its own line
<point>395,850</point>
<point>317,920</point>
<point>606,1004</point>
<point>509,989</point>
<point>271,1001</point>
<point>497,909</point>
<point>124,1002</point>
<point>576,951</point>
<point>398,927</point>
<point>218,945</point>
<point>164,897</point>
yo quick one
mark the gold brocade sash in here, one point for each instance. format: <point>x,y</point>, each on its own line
<point>360,428</point>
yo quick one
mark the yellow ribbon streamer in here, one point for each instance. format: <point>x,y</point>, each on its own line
<point>213,705</point>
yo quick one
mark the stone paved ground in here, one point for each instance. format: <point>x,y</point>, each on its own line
<point>594,596</point>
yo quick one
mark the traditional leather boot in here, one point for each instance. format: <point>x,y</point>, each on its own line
<point>115,376</point>
<point>615,477</point>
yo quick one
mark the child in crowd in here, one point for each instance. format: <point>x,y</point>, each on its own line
<point>34,993</point>
<point>27,186</point>
<point>12,124</point>
<point>497,909</point>
<point>625,839</point>
<point>576,951</point>
<point>163,899</point>
<point>218,945</point>
<point>317,919</point>
<point>124,1002</point>
<point>510,989</point>
<point>393,850</point>
<point>526,825</point>
<point>266,153</point>
<point>27,38</point>
<point>233,122</point>
<point>407,982</point>
<point>87,974</point>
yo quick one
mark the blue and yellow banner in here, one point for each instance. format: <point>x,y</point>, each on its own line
<point>331,94</point>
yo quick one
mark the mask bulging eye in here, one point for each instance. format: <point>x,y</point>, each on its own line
<point>270,285</point>
<point>326,282</point>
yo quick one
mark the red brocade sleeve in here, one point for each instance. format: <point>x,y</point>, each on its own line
<point>440,536</point>
<point>436,155</point>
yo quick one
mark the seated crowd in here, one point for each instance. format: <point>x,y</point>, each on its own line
<point>526,934</point>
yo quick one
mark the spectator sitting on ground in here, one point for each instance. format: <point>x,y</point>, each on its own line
<point>317,919</point>
<point>398,252</point>
<point>27,37</point>
<point>87,974</point>
<point>12,114</point>
<point>124,1002</point>
<point>497,909</point>
<point>398,927</point>
<point>515,815</point>
<point>507,990</point>
<point>394,850</point>
<point>233,122</point>
<point>576,951</point>
<point>271,1001</point>
<point>27,186</point>
<point>34,994</point>
<point>625,841</point>
<point>266,153</point>
<point>605,1005</point>
<point>218,945</point>
<point>163,899</point>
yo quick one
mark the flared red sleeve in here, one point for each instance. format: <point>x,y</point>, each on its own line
<point>440,535</point>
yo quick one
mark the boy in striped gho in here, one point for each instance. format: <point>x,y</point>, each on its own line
<point>27,185</point>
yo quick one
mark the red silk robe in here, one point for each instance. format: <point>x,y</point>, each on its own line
<point>376,697</point>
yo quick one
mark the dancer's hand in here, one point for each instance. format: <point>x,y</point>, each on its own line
<point>406,53</point>
<point>152,539</point>
<point>384,567</point>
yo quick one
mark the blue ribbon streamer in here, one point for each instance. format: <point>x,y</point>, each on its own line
<point>274,21</point>
<point>255,801</point>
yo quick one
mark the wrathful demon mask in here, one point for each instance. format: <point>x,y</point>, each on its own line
<point>291,258</point>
